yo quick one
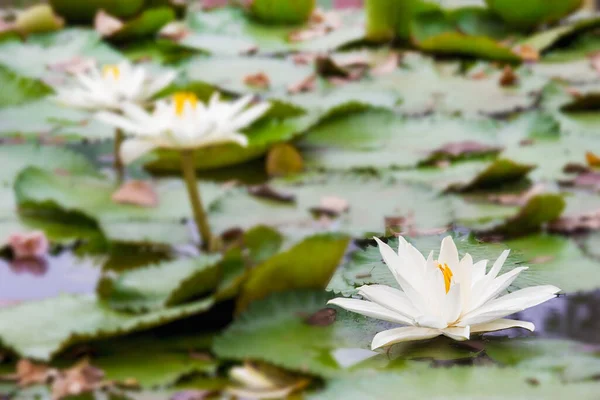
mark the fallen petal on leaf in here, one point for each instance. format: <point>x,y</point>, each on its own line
<point>138,193</point>
<point>107,25</point>
<point>259,80</point>
<point>29,245</point>
<point>307,84</point>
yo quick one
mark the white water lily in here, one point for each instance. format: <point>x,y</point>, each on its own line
<point>447,296</point>
<point>112,87</point>
<point>184,123</point>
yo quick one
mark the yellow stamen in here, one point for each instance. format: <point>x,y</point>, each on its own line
<point>181,99</point>
<point>447,275</point>
<point>113,70</point>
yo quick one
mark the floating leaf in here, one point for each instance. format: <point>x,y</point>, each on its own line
<point>147,24</point>
<point>289,270</point>
<point>281,12</point>
<point>283,159</point>
<point>534,12</point>
<point>84,12</point>
<point>163,285</point>
<point>18,90</point>
<point>32,332</point>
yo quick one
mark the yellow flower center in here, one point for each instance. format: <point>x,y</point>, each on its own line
<point>181,99</point>
<point>111,71</point>
<point>447,272</point>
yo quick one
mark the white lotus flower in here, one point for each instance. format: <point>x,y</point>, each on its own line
<point>183,122</point>
<point>113,87</point>
<point>447,296</point>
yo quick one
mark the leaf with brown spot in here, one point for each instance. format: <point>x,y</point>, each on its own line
<point>307,84</point>
<point>138,193</point>
<point>508,78</point>
<point>592,159</point>
<point>81,378</point>
<point>259,80</point>
<point>267,192</point>
<point>387,66</point>
<point>29,373</point>
<point>332,206</point>
<point>283,159</point>
<point>465,148</point>
<point>324,317</point>
<point>107,25</point>
<point>541,259</point>
<point>527,53</point>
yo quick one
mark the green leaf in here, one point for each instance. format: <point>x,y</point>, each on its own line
<point>545,40</point>
<point>555,260</point>
<point>32,331</point>
<point>571,360</point>
<point>152,360</point>
<point>534,12</point>
<point>473,383</point>
<point>380,139</point>
<point>120,222</point>
<point>274,330</point>
<point>17,90</point>
<point>388,18</point>
<point>84,12</point>
<point>148,23</point>
<point>162,285</point>
<point>263,243</point>
<point>281,12</point>
<point>308,265</point>
<point>55,48</point>
<point>538,211</point>
<point>393,199</point>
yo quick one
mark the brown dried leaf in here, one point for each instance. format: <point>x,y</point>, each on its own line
<point>527,53</point>
<point>517,199</point>
<point>30,245</point>
<point>283,159</point>
<point>138,193</point>
<point>29,373</point>
<point>267,192</point>
<point>107,25</point>
<point>586,180</point>
<point>387,66</point>
<point>258,80</point>
<point>175,31</point>
<point>508,78</point>
<point>79,379</point>
<point>331,206</point>
<point>324,317</point>
<point>576,223</point>
<point>592,159</point>
<point>307,84</point>
<point>464,148</point>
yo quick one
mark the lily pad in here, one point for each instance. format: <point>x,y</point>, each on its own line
<point>288,271</point>
<point>163,285</point>
<point>119,222</point>
<point>148,23</point>
<point>534,12</point>
<point>75,319</point>
<point>18,90</point>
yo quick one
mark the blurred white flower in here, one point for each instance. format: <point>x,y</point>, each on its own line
<point>447,296</point>
<point>113,87</point>
<point>183,123</point>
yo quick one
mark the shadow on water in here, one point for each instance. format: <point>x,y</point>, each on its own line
<point>41,279</point>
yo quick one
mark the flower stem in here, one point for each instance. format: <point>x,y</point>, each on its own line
<point>209,242</point>
<point>118,163</point>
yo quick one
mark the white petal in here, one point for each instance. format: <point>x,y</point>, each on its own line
<point>501,324</point>
<point>488,291</point>
<point>478,271</point>
<point>498,264</point>
<point>452,305</point>
<point>457,333</point>
<point>132,149</point>
<point>160,83</point>
<point>390,298</point>
<point>370,310</point>
<point>463,276</point>
<point>238,106</point>
<point>118,121</point>
<point>135,112</point>
<point>448,253</point>
<point>405,334</point>
<point>428,321</point>
<point>509,304</point>
<point>249,116</point>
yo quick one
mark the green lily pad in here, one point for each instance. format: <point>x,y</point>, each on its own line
<point>119,222</point>
<point>545,40</point>
<point>17,90</point>
<point>32,332</point>
<point>282,12</point>
<point>472,383</point>
<point>533,13</point>
<point>288,271</point>
<point>84,12</point>
<point>163,285</point>
<point>275,330</point>
<point>147,24</point>
<point>394,200</point>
